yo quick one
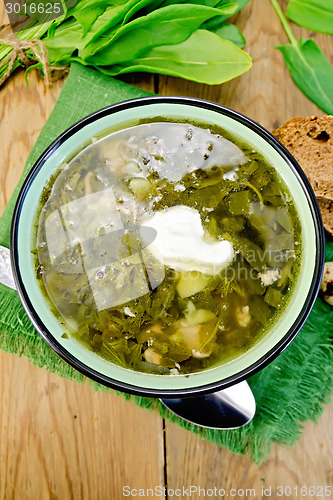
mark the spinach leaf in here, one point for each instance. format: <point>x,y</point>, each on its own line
<point>316,15</point>
<point>101,29</point>
<point>112,15</point>
<point>311,72</point>
<point>66,39</point>
<point>87,13</point>
<point>216,21</point>
<point>87,17</point>
<point>67,6</point>
<point>232,33</point>
<point>241,4</point>
<point>308,67</point>
<point>191,59</point>
<point>139,5</point>
<point>207,3</point>
<point>167,25</point>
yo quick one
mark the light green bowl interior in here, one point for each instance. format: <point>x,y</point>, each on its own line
<point>92,360</point>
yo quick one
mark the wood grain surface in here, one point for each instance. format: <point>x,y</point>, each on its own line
<point>62,440</point>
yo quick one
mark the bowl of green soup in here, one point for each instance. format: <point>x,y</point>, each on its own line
<point>167,246</point>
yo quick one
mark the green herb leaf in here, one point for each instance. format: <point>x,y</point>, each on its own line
<point>168,25</point>
<point>113,15</point>
<point>87,16</point>
<point>191,59</point>
<point>99,21</point>
<point>311,72</point>
<point>308,66</point>
<point>216,22</point>
<point>67,38</point>
<point>316,15</point>
<point>241,5</point>
<point>207,3</point>
<point>232,33</point>
<point>67,5</point>
<point>139,6</point>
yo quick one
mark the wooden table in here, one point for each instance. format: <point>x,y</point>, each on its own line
<point>63,440</point>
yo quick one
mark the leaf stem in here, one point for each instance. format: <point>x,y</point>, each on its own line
<point>284,22</point>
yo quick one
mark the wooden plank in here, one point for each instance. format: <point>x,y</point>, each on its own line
<point>193,462</point>
<point>268,95</point>
<point>23,112</point>
<point>64,440</point>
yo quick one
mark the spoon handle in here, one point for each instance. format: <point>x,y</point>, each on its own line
<point>6,274</point>
<point>229,408</point>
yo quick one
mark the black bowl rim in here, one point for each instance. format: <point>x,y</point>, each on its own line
<point>192,391</point>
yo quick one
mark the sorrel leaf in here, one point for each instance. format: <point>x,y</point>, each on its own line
<point>311,72</point>
<point>308,66</point>
<point>168,25</point>
<point>113,15</point>
<point>221,63</point>
<point>230,32</point>
<point>216,21</point>
<point>139,6</point>
<point>316,15</point>
<point>207,3</point>
<point>66,39</point>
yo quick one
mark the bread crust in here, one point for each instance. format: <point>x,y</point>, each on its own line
<point>310,141</point>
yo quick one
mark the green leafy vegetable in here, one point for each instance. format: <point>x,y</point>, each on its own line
<point>229,7</point>
<point>273,297</point>
<point>232,33</point>
<point>311,72</point>
<point>316,15</point>
<point>120,36</point>
<point>260,310</point>
<point>239,203</point>
<point>216,22</point>
<point>87,13</point>
<point>241,5</point>
<point>191,60</point>
<point>68,39</point>
<point>141,4</point>
<point>168,25</point>
<point>308,67</point>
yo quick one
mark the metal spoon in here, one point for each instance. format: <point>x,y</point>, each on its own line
<point>6,274</point>
<point>227,409</point>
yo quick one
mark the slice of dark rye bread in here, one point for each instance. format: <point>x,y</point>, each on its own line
<point>310,141</point>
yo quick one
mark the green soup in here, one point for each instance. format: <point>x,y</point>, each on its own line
<point>168,247</point>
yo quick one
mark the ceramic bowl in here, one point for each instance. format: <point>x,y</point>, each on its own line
<point>90,363</point>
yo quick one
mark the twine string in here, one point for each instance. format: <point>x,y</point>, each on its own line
<point>19,53</point>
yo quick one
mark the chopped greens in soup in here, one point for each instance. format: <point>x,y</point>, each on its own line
<point>168,247</point>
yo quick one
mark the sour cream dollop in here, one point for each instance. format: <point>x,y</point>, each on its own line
<point>180,244</point>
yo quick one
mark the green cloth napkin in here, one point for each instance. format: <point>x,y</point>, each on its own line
<point>289,391</point>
